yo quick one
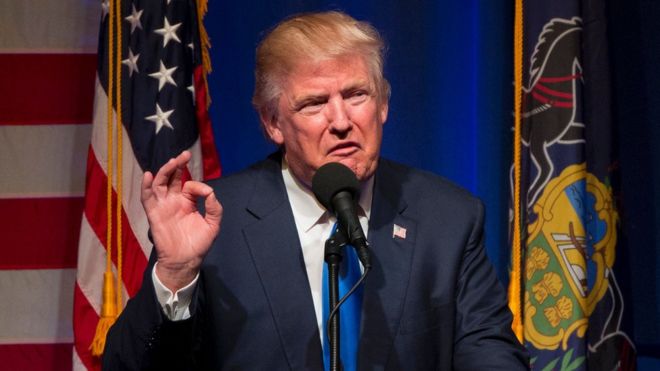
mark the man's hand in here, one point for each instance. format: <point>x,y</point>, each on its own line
<point>182,236</point>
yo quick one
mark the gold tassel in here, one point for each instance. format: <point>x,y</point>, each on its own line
<point>205,41</point>
<point>111,301</point>
<point>202,8</point>
<point>108,314</point>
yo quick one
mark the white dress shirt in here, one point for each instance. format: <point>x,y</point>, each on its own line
<point>314,225</point>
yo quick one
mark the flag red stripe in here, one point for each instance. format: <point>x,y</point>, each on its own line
<point>96,212</point>
<point>84,326</point>
<point>210,160</point>
<point>44,232</point>
<point>552,102</point>
<point>47,88</point>
<point>36,356</point>
<point>553,92</point>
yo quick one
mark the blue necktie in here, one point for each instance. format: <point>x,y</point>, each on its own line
<point>349,312</point>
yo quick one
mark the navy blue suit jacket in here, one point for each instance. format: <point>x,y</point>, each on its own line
<point>432,300</point>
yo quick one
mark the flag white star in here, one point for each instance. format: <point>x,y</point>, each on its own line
<point>168,32</point>
<point>191,46</point>
<point>105,9</point>
<point>164,76</point>
<point>192,90</point>
<point>131,62</point>
<point>160,118</point>
<point>192,87</point>
<point>134,19</point>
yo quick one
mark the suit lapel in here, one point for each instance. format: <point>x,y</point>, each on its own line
<point>385,287</point>
<point>275,248</point>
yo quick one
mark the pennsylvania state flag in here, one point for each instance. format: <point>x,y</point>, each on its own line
<point>567,305</point>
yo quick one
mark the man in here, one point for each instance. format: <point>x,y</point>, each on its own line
<point>246,293</point>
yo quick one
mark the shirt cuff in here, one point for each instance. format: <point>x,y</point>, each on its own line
<point>176,306</point>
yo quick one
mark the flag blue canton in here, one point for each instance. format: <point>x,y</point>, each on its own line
<point>160,51</point>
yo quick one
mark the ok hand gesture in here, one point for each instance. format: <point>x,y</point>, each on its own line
<point>182,236</point>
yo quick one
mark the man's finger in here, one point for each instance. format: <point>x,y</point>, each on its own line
<point>213,214</point>
<point>145,189</point>
<point>162,178</point>
<point>175,182</point>
<point>193,189</point>
<point>181,162</point>
<point>167,178</point>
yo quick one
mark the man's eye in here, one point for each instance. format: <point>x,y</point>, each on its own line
<point>311,108</point>
<point>357,97</point>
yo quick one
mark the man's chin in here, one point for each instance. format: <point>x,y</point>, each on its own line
<point>361,170</point>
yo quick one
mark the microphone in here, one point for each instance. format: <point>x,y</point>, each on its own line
<point>336,187</point>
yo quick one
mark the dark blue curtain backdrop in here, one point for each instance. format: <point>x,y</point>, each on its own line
<point>635,56</point>
<point>450,67</point>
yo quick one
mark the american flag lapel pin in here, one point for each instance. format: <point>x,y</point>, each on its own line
<point>398,231</point>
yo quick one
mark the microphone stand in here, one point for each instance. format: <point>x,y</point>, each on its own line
<point>333,256</point>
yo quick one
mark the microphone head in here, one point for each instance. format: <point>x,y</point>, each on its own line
<point>331,179</point>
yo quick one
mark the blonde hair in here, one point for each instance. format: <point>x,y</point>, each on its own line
<point>313,37</point>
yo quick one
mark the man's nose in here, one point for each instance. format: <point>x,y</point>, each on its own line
<point>338,116</point>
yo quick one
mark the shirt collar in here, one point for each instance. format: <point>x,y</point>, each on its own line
<point>307,210</point>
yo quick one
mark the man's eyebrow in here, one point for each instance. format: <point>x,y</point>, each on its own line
<point>309,96</point>
<point>357,85</point>
<point>299,101</point>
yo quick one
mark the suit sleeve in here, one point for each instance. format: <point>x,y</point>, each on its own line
<point>483,336</point>
<point>143,338</point>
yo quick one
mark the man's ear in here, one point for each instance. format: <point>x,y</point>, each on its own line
<point>270,123</point>
<point>382,111</point>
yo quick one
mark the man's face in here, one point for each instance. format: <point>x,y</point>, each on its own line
<point>329,112</point>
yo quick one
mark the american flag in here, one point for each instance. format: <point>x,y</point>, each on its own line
<point>160,91</point>
<point>50,107</point>
<point>398,231</point>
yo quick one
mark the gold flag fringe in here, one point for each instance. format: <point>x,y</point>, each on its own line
<point>205,43</point>
<point>515,283</point>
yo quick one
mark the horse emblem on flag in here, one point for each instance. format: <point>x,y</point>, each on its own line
<point>551,99</point>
